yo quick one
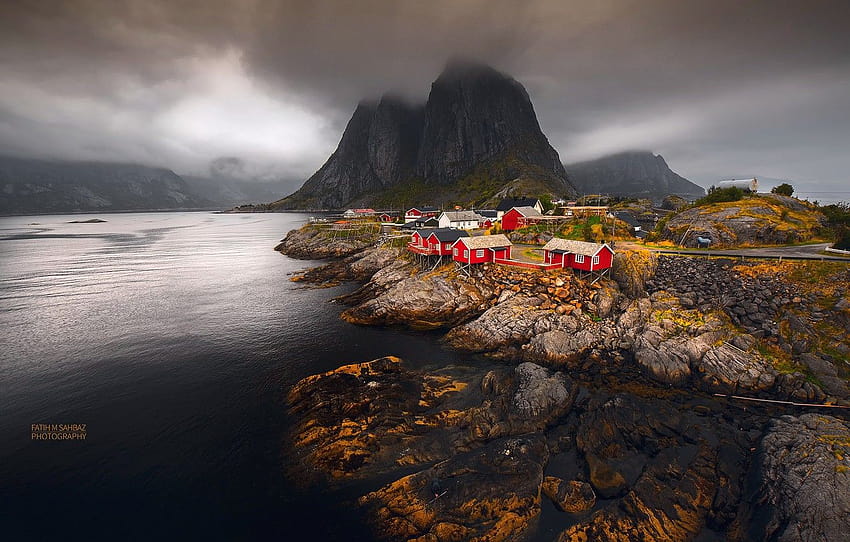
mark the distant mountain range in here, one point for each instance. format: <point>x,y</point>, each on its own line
<point>634,174</point>
<point>48,186</point>
<point>477,136</point>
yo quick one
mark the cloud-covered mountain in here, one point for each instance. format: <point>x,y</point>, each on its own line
<point>635,174</point>
<point>476,134</point>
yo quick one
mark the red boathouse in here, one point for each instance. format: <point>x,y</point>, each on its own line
<point>579,255</point>
<point>482,249</point>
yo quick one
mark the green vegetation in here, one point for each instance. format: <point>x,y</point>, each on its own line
<point>719,195</point>
<point>838,224</point>
<point>783,189</point>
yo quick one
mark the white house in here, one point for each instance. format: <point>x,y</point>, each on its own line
<point>462,220</point>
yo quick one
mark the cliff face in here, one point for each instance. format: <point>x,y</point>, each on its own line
<point>478,129</point>
<point>377,149</point>
<point>37,186</point>
<point>640,174</point>
<point>476,117</point>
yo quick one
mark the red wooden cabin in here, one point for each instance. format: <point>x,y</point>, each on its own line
<point>579,255</point>
<point>441,241</point>
<point>482,249</point>
<point>516,217</point>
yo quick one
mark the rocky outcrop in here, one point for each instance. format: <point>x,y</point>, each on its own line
<point>491,494</point>
<point>674,469</point>
<point>804,480</point>
<point>632,174</point>
<point>360,266</point>
<point>574,496</point>
<point>375,417</point>
<point>477,125</point>
<point>766,219</point>
<point>427,301</point>
<point>313,243</point>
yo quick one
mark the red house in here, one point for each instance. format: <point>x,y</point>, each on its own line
<point>386,217</point>
<point>517,217</point>
<point>482,249</point>
<point>579,255</point>
<point>415,213</point>
<point>441,241</point>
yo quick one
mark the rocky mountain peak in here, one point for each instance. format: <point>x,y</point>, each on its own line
<point>477,122</point>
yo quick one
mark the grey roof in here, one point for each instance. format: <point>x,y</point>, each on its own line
<point>575,247</point>
<point>447,235</point>
<point>507,203</point>
<point>487,241</point>
<point>462,216</point>
<point>488,213</point>
<point>528,211</point>
<point>425,209</point>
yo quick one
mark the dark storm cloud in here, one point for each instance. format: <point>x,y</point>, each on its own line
<point>719,88</point>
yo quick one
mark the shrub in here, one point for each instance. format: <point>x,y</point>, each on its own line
<point>783,189</point>
<point>718,195</point>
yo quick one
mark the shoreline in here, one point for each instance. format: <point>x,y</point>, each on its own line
<point>629,341</point>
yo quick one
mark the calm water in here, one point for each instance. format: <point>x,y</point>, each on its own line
<point>173,337</point>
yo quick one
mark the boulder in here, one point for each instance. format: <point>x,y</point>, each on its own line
<point>574,496</point>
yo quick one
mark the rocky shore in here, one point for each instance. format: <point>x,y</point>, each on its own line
<point>596,397</point>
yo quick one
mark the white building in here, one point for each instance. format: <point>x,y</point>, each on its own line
<point>744,184</point>
<point>462,220</point>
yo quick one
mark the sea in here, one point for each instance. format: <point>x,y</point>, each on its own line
<point>172,338</point>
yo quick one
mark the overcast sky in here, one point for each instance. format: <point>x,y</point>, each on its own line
<point>719,88</point>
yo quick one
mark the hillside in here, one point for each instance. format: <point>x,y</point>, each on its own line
<point>632,174</point>
<point>761,219</point>
<point>44,186</point>
<point>476,135</point>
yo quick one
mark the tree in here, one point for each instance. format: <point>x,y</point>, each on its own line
<point>783,189</point>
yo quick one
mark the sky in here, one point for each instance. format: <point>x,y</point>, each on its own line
<point>719,88</point>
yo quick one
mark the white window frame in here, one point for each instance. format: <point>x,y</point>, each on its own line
<point>466,253</point>
<point>479,253</point>
<point>595,260</point>
<point>455,251</point>
<point>579,258</point>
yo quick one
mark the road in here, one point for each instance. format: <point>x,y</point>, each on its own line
<point>799,252</point>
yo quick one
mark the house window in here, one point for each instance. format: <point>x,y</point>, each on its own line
<point>596,260</point>
<point>579,258</point>
<point>455,252</point>
<point>479,253</point>
<point>466,253</point>
<point>446,246</point>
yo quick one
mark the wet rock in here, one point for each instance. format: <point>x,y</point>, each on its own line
<point>573,496</point>
<point>492,493</point>
<point>314,243</point>
<point>422,301</point>
<point>804,473</point>
<point>607,481</point>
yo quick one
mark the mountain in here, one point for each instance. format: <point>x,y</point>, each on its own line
<point>42,186</point>
<point>635,174</point>
<point>226,193</point>
<point>377,150</point>
<point>476,135</point>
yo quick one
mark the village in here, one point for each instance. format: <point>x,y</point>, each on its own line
<point>474,237</point>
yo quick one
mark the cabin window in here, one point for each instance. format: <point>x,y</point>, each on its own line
<point>579,258</point>
<point>479,253</point>
<point>447,245</point>
<point>466,253</point>
<point>455,252</point>
<point>596,260</point>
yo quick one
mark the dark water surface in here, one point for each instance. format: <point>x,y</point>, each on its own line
<point>173,337</point>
